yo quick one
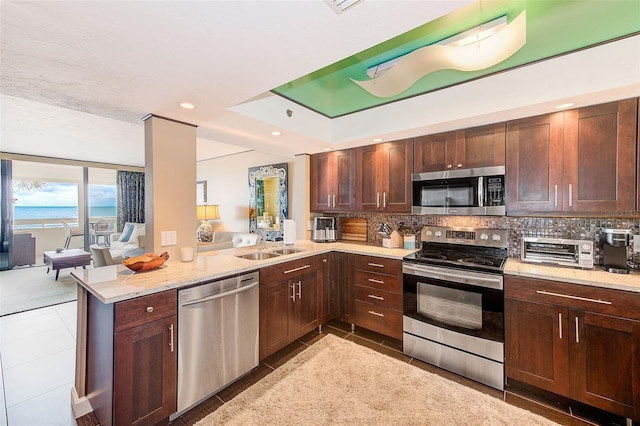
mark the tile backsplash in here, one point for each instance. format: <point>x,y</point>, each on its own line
<point>556,227</point>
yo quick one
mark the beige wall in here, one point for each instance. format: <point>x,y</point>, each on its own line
<point>228,186</point>
<point>170,184</point>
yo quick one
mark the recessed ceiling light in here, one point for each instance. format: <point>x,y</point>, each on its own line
<point>378,140</point>
<point>276,133</point>
<point>567,105</point>
<point>187,105</point>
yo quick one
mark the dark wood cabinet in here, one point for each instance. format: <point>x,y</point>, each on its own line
<point>578,161</point>
<point>482,146</point>
<point>577,341</point>
<point>341,278</point>
<point>145,373</point>
<point>132,359</point>
<point>378,294</point>
<point>290,302</point>
<point>333,177</point>
<point>383,181</point>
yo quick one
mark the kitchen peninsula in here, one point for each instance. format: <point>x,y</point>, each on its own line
<point>139,312</point>
<point>115,286</point>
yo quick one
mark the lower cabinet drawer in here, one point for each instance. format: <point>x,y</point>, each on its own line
<point>381,281</point>
<point>379,319</point>
<point>379,297</point>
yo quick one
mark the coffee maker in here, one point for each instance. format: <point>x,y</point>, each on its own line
<point>613,250</point>
<point>324,229</point>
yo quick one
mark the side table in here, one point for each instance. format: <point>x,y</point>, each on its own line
<point>69,258</point>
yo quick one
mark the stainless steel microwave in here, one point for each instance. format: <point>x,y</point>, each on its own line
<point>471,192</point>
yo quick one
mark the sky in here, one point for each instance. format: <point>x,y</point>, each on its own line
<point>65,194</point>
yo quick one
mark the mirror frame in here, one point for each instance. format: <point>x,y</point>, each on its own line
<point>280,171</point>
<point>201,192</point>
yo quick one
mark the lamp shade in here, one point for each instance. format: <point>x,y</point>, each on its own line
<point>205,212</point>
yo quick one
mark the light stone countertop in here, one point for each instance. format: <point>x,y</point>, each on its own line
<point>596,277</point>
<point>116,283</point>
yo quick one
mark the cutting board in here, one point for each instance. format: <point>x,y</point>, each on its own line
<point>354,230</point>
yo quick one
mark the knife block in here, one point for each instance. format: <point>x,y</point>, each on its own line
<point>394,241</point>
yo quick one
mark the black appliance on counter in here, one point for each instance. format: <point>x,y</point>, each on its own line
<point>613,245</point>
<point>453,315</point>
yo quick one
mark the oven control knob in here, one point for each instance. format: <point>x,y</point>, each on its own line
<point>495,237</point>
<point>484,236</point>
<point>438,234</point>
<point>586,247</point>
<point>428,233</point>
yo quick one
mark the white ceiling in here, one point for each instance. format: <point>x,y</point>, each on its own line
<point>122,60</point>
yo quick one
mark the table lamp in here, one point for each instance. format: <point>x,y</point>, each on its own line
<point>206,213</point>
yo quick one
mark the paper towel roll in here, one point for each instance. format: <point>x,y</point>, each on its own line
<point>289,232</point>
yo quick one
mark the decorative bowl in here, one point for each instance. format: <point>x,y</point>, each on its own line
<point>146,262</point>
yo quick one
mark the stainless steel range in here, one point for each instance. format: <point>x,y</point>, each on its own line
<point>454,302</point>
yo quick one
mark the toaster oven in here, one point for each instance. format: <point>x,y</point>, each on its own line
<point>558,251</point>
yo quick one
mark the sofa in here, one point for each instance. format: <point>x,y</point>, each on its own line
<point>224,240</point>
<point>131,237</point>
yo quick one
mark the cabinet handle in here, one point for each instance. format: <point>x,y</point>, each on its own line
<point>577,332</point>
<point>459,166</point>
<point>377,200</point>
<point>149,309</point>
<point>297,269</point>
<point>449,166</point>
<point>334,201</point>
<point>567,296</point>
<point>570,195</point>
<point>300,289</point>
<point>171,337</point>
<point>377,265</point>
<point>560,324</point>
<point>293,291</point>
<point>384,200</point>
<point>329,200</point>
<point>373,296</point>
<point>373,280</point>
<point>555,195</point>
<point>378,314</point>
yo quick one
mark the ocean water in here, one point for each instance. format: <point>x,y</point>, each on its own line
<point>59,212</point>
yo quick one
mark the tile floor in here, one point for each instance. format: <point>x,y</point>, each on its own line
<point>37,356</point>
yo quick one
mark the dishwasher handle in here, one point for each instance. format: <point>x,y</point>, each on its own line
<point>220,295</point>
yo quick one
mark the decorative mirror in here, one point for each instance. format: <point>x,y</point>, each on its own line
<point>268,205</point>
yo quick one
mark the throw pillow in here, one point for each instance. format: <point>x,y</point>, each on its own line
<point>126,232</point>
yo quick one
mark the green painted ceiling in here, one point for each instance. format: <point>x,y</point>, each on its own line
<point>554,27</point>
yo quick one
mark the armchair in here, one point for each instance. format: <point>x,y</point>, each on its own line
<point>126,240</point>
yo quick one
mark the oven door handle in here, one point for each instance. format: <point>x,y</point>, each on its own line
<point>494,281</point>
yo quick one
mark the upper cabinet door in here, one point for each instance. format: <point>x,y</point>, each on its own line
<point>384,177</point>
<point>434,153</point>
<point>480,147</point>
<point>396,164</point>
<point>600,158</point>
<point>333,176</point>
<point>345,180</point>
<point>367,191</point>
<point>534,164</point>
<point>322,172</point>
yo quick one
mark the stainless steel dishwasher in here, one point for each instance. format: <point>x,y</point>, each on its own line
<point>217,336</point>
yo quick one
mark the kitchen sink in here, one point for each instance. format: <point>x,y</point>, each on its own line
<point>258,255</point>
<point>287,251</point>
